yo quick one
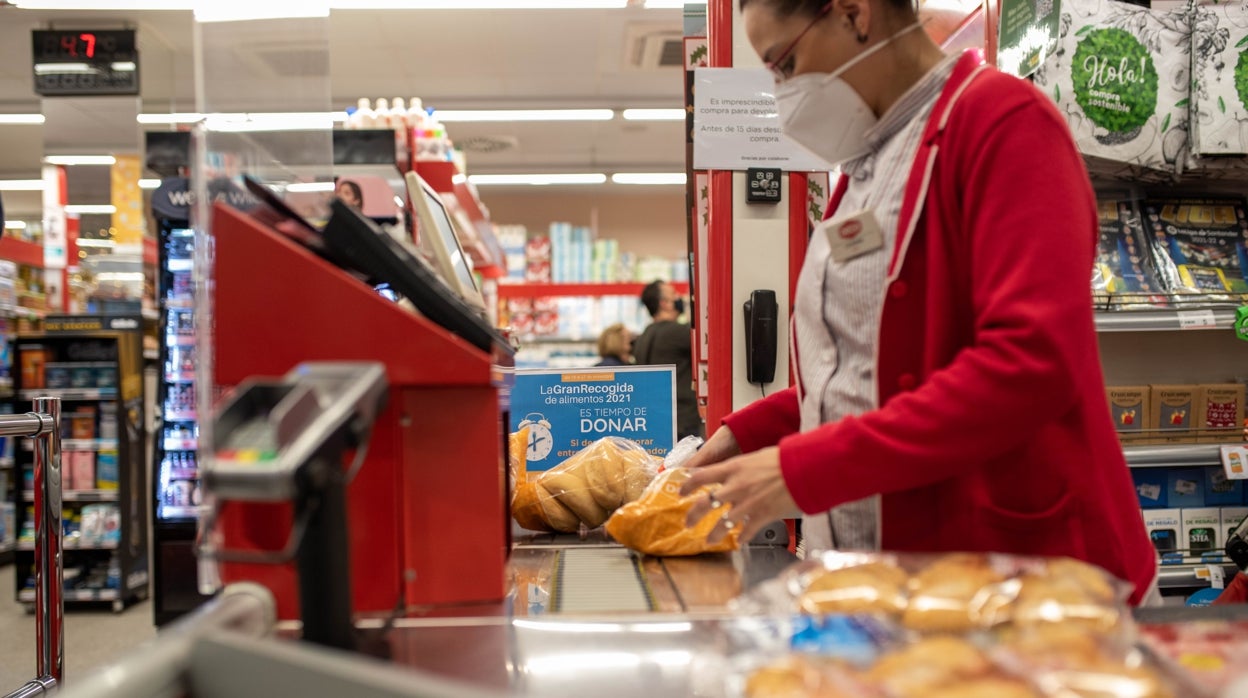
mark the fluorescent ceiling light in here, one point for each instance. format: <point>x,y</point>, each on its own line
<point>450,115</point>
<point>478,4</point>
<point>648,178</point>
<point>21,185</point>
<point>15,225</point>
<point>304,187</point>
<point>177,118</point>
<point>294,121</point>
<point>20,119</point>
<point>244,10</point>
<point>149,184</point>
<point>536,179</point>
<point>95,243</point>
<point>88,209</point>
<point>80,160</point>
<point>654,114</point>
<point>354,5</point>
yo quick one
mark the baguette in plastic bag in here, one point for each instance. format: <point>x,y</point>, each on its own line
<point>584,489</point>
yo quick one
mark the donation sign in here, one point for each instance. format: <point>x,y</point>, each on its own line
<point>567,410</point>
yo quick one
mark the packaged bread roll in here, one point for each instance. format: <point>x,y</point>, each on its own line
<point>655,523</point>
<point>585,488</point>
<point>947,595</point>
<point>875,587</point>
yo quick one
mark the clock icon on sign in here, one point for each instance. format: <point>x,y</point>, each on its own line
<point>540,440</point>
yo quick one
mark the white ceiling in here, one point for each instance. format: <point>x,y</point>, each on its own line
<point>467,59</point>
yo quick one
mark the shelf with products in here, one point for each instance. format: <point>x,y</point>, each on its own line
<point>1172,455</point>
<point>180,416</point>
<point>594,289</point>
<point>79,495</point>
<point>182,377</point>
<point>103,432</point>
<point>70,444</point>
<point>79,595</point>
<point>1165,319</point>
<point>181,444</point>
<point>1192,575</point>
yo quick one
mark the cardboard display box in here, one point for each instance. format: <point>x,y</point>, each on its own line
<point>1129,408</point>
<point>1164,528</point>
<point>1220,413</point>
<point>1202,533</point>
<point>1172,413</point>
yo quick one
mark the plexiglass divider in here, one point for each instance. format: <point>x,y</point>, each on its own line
<point>242,62</point>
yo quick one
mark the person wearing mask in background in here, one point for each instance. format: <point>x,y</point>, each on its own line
<point>949,392</point>
<point>350,194</point>
<point>614,346</point>
<point>667,341</point>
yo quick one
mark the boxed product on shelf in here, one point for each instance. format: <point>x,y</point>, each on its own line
<point>1219,106</point>
<point>106,470</point>
<point>1231,518</point>
<point>82,423</point>
<point>1221,490</point>
<point>1202,241</point>
<point>1185,487</point>
<point>81,470</point>
<point>1129,407</point>
<point>108,421</point>
<point>1150,487</point>
<point>58,376</point>
<point>1124,257</point>
<point>1220,412</point>
<point>1164,527</point>
<point>34,360</point>
<point>1172,413</point>
<point>1202,533</point>
<point>1120,76</point>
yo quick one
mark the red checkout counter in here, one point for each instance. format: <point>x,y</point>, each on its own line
<point>429,524</point>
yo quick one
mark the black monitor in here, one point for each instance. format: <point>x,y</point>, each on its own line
<point>377,254</point>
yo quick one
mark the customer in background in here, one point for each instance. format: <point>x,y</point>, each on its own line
<point>949,392</point>
<point>350,194</point>
<point>615,346</point>
<point>668,341</point>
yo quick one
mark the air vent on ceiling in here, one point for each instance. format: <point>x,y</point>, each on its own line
<point>486,144</point>
<point>651,47</point>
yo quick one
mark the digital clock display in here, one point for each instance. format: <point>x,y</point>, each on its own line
<point>85,62</point>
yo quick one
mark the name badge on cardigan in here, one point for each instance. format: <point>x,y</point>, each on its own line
<point>853,235</point>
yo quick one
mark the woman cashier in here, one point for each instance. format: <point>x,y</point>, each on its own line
<point>949,392</point>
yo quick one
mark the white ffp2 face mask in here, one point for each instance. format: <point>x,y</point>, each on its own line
<point>823,114</point>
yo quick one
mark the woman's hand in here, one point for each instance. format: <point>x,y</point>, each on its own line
<point>720,447</point>
<point>752,484</point>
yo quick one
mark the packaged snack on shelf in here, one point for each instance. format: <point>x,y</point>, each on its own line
<point>1120,76</point>
<point>1172,412</point>
<point>1129,408</point>
<point>106,470</point>
<point>586,488</point>
<point>1220,413</point>
<point>1202,241</point>
<point>1124,275</point>
<point>949,593</point>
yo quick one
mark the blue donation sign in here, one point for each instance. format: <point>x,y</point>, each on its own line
<point>567,410</point>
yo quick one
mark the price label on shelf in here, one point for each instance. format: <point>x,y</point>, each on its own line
<point>1235,462</point>
<point>1197,319</point>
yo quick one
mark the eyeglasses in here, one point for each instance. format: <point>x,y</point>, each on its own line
<point>783,73</point>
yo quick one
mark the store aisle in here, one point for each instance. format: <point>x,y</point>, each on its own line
<point>92,638</point>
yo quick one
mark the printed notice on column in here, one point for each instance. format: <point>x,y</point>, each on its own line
<point>736,127</point>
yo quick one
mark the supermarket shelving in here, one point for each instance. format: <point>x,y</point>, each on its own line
<point>1165,319</point>
<point>1173,455</point>
<point>543,290</point>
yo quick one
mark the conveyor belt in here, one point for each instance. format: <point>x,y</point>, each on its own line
<point>599,580</point>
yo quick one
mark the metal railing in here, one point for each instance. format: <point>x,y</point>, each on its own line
<point>44,425</point>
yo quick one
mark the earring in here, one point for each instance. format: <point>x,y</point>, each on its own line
<point>862,38</point>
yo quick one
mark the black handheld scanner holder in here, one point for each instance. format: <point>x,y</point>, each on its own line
<point>283,440</point>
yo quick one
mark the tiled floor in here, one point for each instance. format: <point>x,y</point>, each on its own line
<point>93,638</point>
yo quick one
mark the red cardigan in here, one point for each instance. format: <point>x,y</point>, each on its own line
<point>993,432</point>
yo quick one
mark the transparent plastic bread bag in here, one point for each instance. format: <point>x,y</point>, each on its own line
<point>950,592</point>
<point>654,524</point>
<point>584,489</point>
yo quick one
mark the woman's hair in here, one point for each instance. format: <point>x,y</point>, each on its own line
<point>613,341</point>
<point>355,189</point>
<point>811,8</point>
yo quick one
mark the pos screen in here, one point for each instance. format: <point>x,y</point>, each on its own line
<point>385,260</point>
